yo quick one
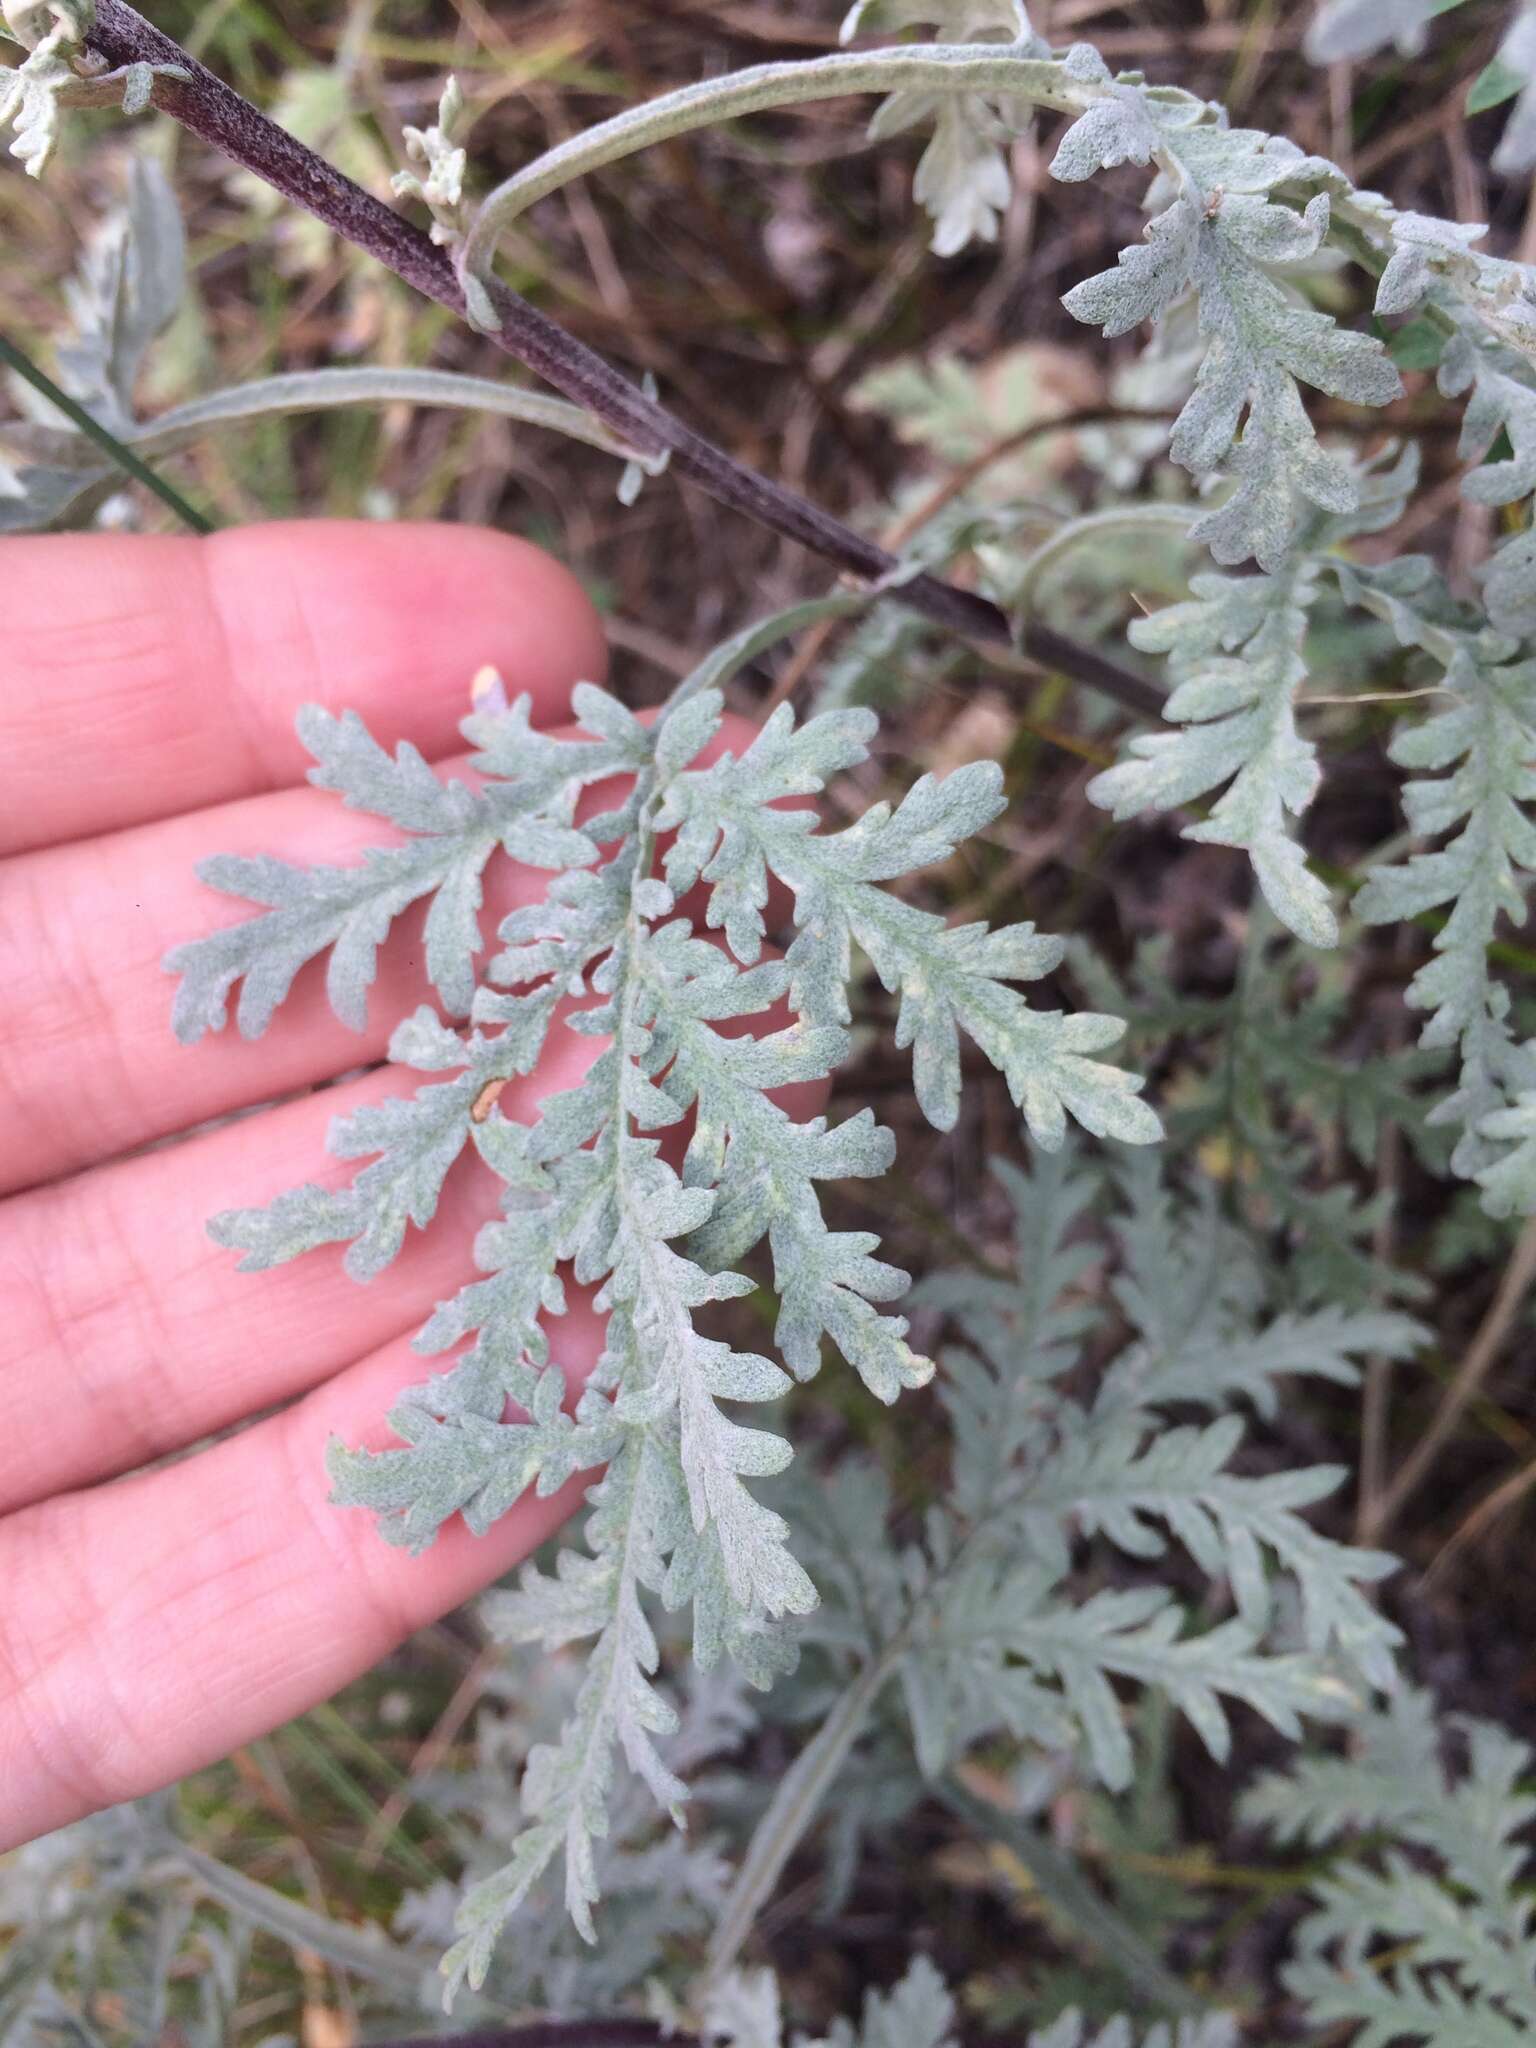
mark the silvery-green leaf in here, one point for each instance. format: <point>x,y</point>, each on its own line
<point>566,1785</point>
<point>1475,780</point>
<point>742,2011</point>
<point>948,981</point>
<point>1436,1882</point>
<point>46,496</point>
<point>349,911</point>
<point>1516,152</point>
<point>1236,652</point>
<point>1502,404</point>
<point>1420,246</point>
<point>463,1463</point>
<point>1236,657</point>
<point>417,1140</point>
<point>953,21</point>
<point>1072,2030</point>
<point>1117,129</point>
<point>1223,236</point>
<point>677,1517</point>
<point>1342,31</point>
<point>963,178</point>
<point>30,103</point>
<point>1071,1653</point>
<point>1149,275</point>
<point>997,1634</point>
<point>1509,585</point>
<point>544,768</point>
<point>127,291</point>
<point>917,2012</point>
<point>1503,398</point>
<point>1113,1478</point>
<point>1508,1182</point>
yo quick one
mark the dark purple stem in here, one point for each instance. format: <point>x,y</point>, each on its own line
<point>212,110</point>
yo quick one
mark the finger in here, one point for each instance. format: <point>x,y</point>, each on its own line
<point>140,1334</point>
<point>144,677</point>
<point>152,1626</point>
<point>136,1335</point>
<point>88,1064</point>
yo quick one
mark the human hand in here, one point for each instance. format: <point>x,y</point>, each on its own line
<point>146,721</point>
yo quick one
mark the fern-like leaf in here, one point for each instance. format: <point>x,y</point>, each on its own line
<point>1219,238</point>
<point>1456,1922</point>
<point>1474,782</point>
<point>676,1518</point>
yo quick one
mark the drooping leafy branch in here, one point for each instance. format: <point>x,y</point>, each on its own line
<point>588,1184</point>
<point>1237,652</point>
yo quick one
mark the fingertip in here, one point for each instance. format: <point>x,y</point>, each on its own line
<point>174,667</point>
<point>396,619</point>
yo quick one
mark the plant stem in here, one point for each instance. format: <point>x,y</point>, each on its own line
<point>931,67</point>
<point>1513,1286</point>
<point>217,114</point>
<point>131,465</point>
<point>321,390</point>
<point>402,1970</point>
<point>794,1807</point>
<point>1116,519</point>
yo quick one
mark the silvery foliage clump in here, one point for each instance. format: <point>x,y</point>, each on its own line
<point>919,2012</point>
<point>1473,771</point>
<point>1276,1080</point>
<point>1428,1939</point>
<point>606,954</point>
<point>1236,217</point>
<point>94,1921</point>
<point>1070,1419</point>
<point>963,179</point>
<point>978,1623</point>
<point>1236,651</point>
<point>128,288</point>
<point>1342,31</point>
<point>983,1625</point>
<point>661,1887</point>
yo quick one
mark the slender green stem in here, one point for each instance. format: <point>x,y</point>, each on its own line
<point>404,1970</point>
<point>123,457</point>
<point>1010,68</point>
<point>733,655</point>
<point>1117,519</point>
<point>325,390</point>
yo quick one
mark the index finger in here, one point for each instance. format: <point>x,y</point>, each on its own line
<point>143,677</point>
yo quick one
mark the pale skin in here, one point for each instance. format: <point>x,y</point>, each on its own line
<point>154,1623</point>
